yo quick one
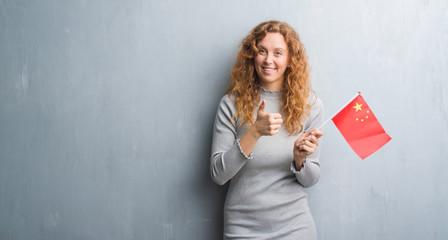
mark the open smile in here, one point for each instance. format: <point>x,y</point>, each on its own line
<point>268,69</point>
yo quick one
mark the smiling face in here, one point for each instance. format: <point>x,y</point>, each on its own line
<point>271,61</point>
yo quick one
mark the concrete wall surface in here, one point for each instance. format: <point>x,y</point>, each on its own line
<point>107,108</point>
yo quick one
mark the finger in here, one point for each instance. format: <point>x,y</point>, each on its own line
<point>317,133</point>
<point>262,106</point>
<point>273,132</point>
<point>276,121</point>
<point>309,144</point>
<point>307,134</point>
<point>276,126</point>
<point>302,137</point>
<point>299,140</point>
<point>277,115</point>
<point>274,116</point>
<point>307,149</point>
<point>273,127</point>
<point>312,139</point>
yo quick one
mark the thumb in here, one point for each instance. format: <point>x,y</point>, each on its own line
<point>262,106</point>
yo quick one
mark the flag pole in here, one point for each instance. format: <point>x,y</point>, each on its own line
<point>359,93</point>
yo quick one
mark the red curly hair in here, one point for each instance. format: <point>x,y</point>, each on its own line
<point>244,82</point>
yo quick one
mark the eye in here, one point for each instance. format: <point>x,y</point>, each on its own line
<point>278,53</point>
<point>261,51</point>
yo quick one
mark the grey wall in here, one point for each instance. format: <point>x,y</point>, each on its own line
<point>107,107</point>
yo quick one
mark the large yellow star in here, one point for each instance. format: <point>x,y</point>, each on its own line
<point>358,107</point>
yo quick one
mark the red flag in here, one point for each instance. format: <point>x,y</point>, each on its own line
<point>360,128</point>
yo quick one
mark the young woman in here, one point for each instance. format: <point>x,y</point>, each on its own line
<point>265,138</point>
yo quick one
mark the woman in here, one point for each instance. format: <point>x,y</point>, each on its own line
<point>265,140</point>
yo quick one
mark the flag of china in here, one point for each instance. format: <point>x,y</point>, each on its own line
<point>360,128</point>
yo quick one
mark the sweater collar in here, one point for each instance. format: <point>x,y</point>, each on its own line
<point>269,93</point>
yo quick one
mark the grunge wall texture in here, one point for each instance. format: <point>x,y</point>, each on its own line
<point>107,108</point>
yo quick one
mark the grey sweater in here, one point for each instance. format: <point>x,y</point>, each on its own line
<point>265,199</point>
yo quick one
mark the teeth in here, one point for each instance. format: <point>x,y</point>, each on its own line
<point>268,69</point>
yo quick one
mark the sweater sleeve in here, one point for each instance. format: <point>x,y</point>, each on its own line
<point>227,156</point>
<point>309,174</point>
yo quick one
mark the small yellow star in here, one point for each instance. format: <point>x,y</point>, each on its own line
<point>358,107</point>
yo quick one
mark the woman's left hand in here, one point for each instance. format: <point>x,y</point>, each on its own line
<point>305,145</point>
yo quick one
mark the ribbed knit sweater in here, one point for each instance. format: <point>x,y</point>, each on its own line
<point>265,199</point>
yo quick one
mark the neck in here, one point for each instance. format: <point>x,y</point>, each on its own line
<point>272,86</point>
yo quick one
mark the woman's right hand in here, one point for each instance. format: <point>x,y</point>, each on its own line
<point>267,124</point>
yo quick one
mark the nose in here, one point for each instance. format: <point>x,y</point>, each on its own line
<point>268,59</point>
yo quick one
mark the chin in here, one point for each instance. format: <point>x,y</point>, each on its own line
<point>270,80</point>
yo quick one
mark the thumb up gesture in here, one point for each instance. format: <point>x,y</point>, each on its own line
<point>267,124</point>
